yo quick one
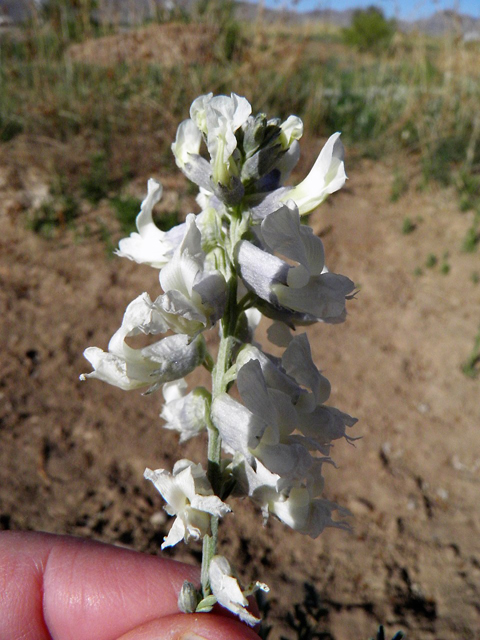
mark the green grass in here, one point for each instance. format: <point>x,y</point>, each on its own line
<point>399,186</point>
<point>471,367</point>
<point>396,101</point>
<point>431,261</point>
<point>445,264</point>
<point>408,226</point>
<point>126,210</point>
<point>57,213</point>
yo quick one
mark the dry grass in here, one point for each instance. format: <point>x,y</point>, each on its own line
<point>420,98</point>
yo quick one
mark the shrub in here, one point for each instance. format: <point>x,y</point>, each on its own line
<point>370,30</point>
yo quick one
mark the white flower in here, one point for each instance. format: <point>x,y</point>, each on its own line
<point>228,592</point>
<point>190,497</point>
<point>298,363</point>
<point>150,245</point>
<point>324,424</point>
<point>184,412</point>
<point>306,515</point>
<point>292,373</point>
<point>195,294</point>
<point>292,129</point>
<point>224,116</point>
<point>299,507</point>
<point>296,375</point>
<point>186,151</point>
<point>326,176</point>
<point>279,333</point>
<point>198,111</point>
<point>187,143</point>
<point>218,118</point>
<point>308,287</point>
<point>282,419</point>
<point>262,428</point>
<point>273,372</point>
<point>168,359</point>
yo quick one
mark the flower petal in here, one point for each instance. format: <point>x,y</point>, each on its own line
<point>284,234</point>
<point>185,413</point>
<point>187,142</point>
<point>175,356</point>
<point>175,535</point>
<point>227,590</point>
<point>327,175</point>
<point>323,297</point>
<point>290,461</point>
<point>325,424</point>
<point>109,368</point>
<point>273,373</point>
<point>260,270</point>
<point>150,245</point>
<point>211,504</point>
<point>292,130</point>
<point>298,363</point>
<point>253,390</point>
<point>239,428</point>
<point>167,485</point>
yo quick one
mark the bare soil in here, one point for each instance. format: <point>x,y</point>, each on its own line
<point>73,453</point>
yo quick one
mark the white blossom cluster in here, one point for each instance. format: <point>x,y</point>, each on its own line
<point>245,254</point>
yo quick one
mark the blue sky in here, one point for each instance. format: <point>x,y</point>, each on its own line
<point>406,9</point>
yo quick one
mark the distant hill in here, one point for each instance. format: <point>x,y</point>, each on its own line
<point>16,10</point>
<point>131,12</point>
<point>442,22</point>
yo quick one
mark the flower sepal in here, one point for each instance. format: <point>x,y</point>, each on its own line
<point>206,605</point>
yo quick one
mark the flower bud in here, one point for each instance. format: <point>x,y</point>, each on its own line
<point>254,133</point>
<point>188,598</point>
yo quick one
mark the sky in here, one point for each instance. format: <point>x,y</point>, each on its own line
<point>405,9</point>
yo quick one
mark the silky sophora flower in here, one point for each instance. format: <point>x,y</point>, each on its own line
<point>190,497</point>
<point>308,287</point>
<point>187,143</point>
<point>262,427</point>
<point>168,359</point>
<point>306,515</point>
<point>294,373</point>
<point>292,130</point>
<point>300,506</point>
<point>282,419</point>
<point>219,118</point>
<point>244,254</point>
<point>150,245</point>
<point>326,176</point>
<point>195,294</point>
<point>185,412</point>
<point>228,592</point>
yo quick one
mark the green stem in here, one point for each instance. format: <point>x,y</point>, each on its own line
<point>219,385</point>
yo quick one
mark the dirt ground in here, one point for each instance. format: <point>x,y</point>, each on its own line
<point>72,453</point>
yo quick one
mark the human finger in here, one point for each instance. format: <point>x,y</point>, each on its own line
<point>192,627</point>
<point>73,589</point>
